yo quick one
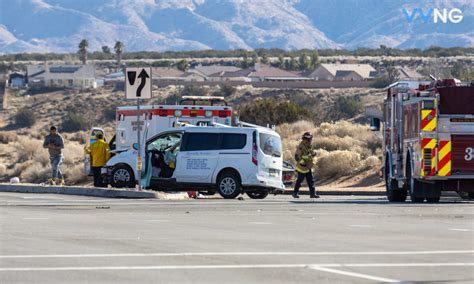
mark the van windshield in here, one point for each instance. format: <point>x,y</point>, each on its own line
<point>270,144</point>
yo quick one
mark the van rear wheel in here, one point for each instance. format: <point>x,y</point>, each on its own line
<point>228,185</point>
<point>259,194</point>
<point>122,176</point>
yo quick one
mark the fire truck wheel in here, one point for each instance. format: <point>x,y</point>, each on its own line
<point>394,194</point>
<point>415,186</point>
<point>257,194</point>
<point>228,185</point>
<point>122,176</point>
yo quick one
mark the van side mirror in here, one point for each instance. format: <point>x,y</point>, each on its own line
<point>375,124</point>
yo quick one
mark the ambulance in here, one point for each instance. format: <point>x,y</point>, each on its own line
<point>154,119</point>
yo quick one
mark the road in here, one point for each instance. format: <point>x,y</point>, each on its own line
<point>337,239</point>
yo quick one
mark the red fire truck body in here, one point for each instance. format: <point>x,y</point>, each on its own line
<point>428,139</point>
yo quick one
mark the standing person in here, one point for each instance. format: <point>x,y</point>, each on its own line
<point>54,142</point>
<point>304,156</point>
<point>100,154</point>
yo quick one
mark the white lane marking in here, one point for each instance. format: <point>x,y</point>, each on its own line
<point>232,266</point>
<point>353,274</point>
<point>361,226</point>
<point>259,223</point>
<point>35,218</point>
<point>37,197</point>
<point>177,254</point>
<point>461,230</point>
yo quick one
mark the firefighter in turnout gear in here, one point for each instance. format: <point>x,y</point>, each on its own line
<point>304,156</point>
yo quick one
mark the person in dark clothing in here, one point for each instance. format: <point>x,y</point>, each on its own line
<point>304,156</point>
<point>54,142</point>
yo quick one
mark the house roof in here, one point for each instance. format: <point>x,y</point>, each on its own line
<point>362,69</point>
<point>239,73</point>
<point>35,70</point>
<point>212,69</point>
<point>166,72</point>
<point>64,69</point>
<point>408,73</point>
<point>16,75</point>
<point>263,70</point>
<point>344,73</point>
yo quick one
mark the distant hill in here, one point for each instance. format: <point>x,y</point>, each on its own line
<point>59,25</point>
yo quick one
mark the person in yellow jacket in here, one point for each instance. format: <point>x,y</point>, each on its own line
<point>100,154</point>
<point>304,156</point>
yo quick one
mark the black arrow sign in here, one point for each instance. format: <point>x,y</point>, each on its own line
<point>143,75</point>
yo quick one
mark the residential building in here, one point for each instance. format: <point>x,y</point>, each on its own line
<point>167,73</point>
<point>17,79</point>
<point>342,72</point>
<point>406,73</point>
<point>61,76</point>
<point>262,72</point>
<point>211,72</point>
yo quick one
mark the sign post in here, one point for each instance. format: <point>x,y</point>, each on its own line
<point>138,87</point>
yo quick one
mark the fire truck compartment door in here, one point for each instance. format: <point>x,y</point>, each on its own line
<point>462,154</point>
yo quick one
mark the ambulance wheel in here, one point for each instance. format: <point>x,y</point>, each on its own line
<point>228,185</point>
<point>394,194</point>
<point>122,176</point>
<point>261,194</point>
<point>414,186</point>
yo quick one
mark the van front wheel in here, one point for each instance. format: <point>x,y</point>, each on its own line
<point>122,176</point>
<point>228,186</point>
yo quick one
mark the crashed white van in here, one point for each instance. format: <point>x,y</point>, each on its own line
<point>227,160</point>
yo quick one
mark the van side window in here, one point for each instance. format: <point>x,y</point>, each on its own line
<point>201,141</point>
<point>233,141</point>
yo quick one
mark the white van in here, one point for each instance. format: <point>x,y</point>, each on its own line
<point>227,160</point>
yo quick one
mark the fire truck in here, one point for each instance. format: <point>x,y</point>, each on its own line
<point>428,139</point>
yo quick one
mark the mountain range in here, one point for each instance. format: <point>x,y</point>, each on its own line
<point>162,25</point>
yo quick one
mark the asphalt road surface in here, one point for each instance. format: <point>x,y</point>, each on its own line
<point>337,239</point>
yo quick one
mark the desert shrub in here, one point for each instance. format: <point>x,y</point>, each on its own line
<point>7,137</point>
<point>342,148</point>
<point>35,172</point>
<point>26,148</point>
<point>108,113</point>
<point>381,82</point>
<point>80,137</point>
<point>3,170</point>
<point>191,90</point>
<point>271,112</point>
<point>348,107</point>
<point>74,122</point>
<point>293,129</point>
<point>74,174</point>
<point>225,90</point>
<point>337,163</point>
<point>25,117</point>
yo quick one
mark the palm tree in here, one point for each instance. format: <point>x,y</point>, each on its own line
<point>83,45</point>
<point>118,51</point>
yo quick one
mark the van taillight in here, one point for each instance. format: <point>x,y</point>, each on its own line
<point>254,154</point>
<point>254,148</point>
